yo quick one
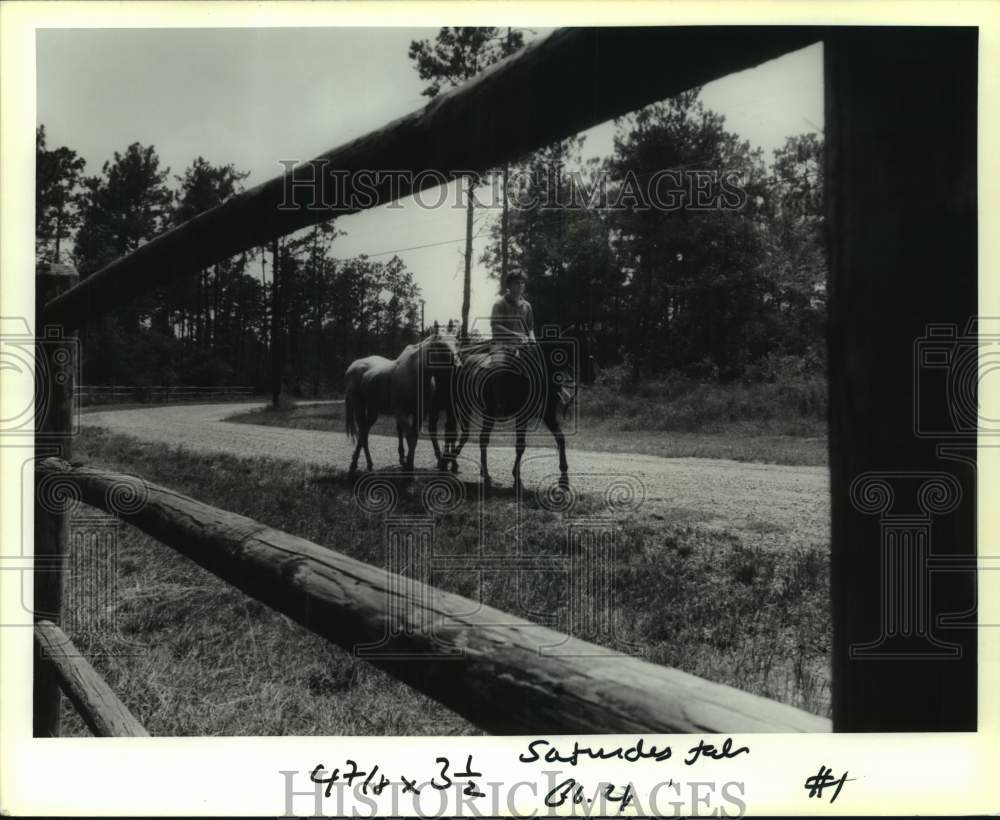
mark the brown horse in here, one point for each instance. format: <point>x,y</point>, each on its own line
<point>403,387</point>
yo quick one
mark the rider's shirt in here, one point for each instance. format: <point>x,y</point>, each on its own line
<point>510,319</point>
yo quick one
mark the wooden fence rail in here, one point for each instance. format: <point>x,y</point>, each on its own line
<point>497,677</point>
<point>100,708</point>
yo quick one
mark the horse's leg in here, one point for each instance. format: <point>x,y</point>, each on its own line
<point>357,452</point>
<point>484,443</point>
<point>465,423</point>
<point>432,419</point>
<point>450,436</point>
<point>363,428</point>
<point>399,439</point>
<point>552,422</point>
<point>361,431</point>
<point>520,423</point>
<point>359,414</point>
<point>411,440</point>
<point>369,422</point>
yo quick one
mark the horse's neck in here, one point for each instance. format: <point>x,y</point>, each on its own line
<point>408,353</point>
<point>423,350</point>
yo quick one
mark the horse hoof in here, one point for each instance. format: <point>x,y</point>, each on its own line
<point>454,466</point>
<point>564,482</point>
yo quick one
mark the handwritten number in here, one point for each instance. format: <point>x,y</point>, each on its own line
<point>825,780</point>
<point>354,774</point>
<point>445,763</point>
<point>376,788</point>
<point>560,793</point>
<point>315,778</point>
<point>379,787</point>
<point>625,798</point>
<point>468,770</point>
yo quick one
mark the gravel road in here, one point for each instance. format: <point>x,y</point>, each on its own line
<point>774,506</point>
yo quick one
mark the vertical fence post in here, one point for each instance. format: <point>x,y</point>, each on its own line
<point>903,255</point>
<point>55,363</point>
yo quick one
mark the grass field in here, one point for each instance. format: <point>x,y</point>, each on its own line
<point>213,662</point>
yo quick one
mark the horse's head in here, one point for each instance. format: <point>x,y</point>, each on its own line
<point>442,347</point>
<point>569,363</point>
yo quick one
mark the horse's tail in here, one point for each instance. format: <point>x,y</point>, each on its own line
<point>350,422</point>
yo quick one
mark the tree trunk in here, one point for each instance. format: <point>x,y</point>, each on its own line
<point>275,326</point>
<point>638,354</point>
<point>59,215</point>
<point>504,228</point>
<point>467,283</point>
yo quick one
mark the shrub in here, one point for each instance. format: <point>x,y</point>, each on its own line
<point>792,401</point>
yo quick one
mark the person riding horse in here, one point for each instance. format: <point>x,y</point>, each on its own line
<point>512,322</point>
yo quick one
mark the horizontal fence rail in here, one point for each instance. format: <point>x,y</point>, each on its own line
<point>554,88</point>
<point>102,711</point>
<point>501,682</point>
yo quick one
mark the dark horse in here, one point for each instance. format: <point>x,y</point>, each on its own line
<point>502,382</point>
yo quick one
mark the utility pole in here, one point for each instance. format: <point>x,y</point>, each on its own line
<point>467,286</point>
<point>504,225</point>
<point>422,317</point>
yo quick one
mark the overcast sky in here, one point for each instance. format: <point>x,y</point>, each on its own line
<point>253,97</point>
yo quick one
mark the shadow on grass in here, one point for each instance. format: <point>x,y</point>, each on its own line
<point>473,489</point>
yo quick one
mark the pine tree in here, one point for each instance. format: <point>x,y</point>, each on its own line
<point>57,180</point>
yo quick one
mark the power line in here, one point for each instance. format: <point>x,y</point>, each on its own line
<point>414,247</point>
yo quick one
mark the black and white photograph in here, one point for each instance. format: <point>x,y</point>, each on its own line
<point>523,381</point>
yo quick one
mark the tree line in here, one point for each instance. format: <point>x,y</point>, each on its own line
<point>684,250</point>
<point>722,277</point>
<point>681,251</point>
<point>214,328</point>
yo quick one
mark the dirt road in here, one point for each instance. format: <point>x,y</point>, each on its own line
<point>774,506</point>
